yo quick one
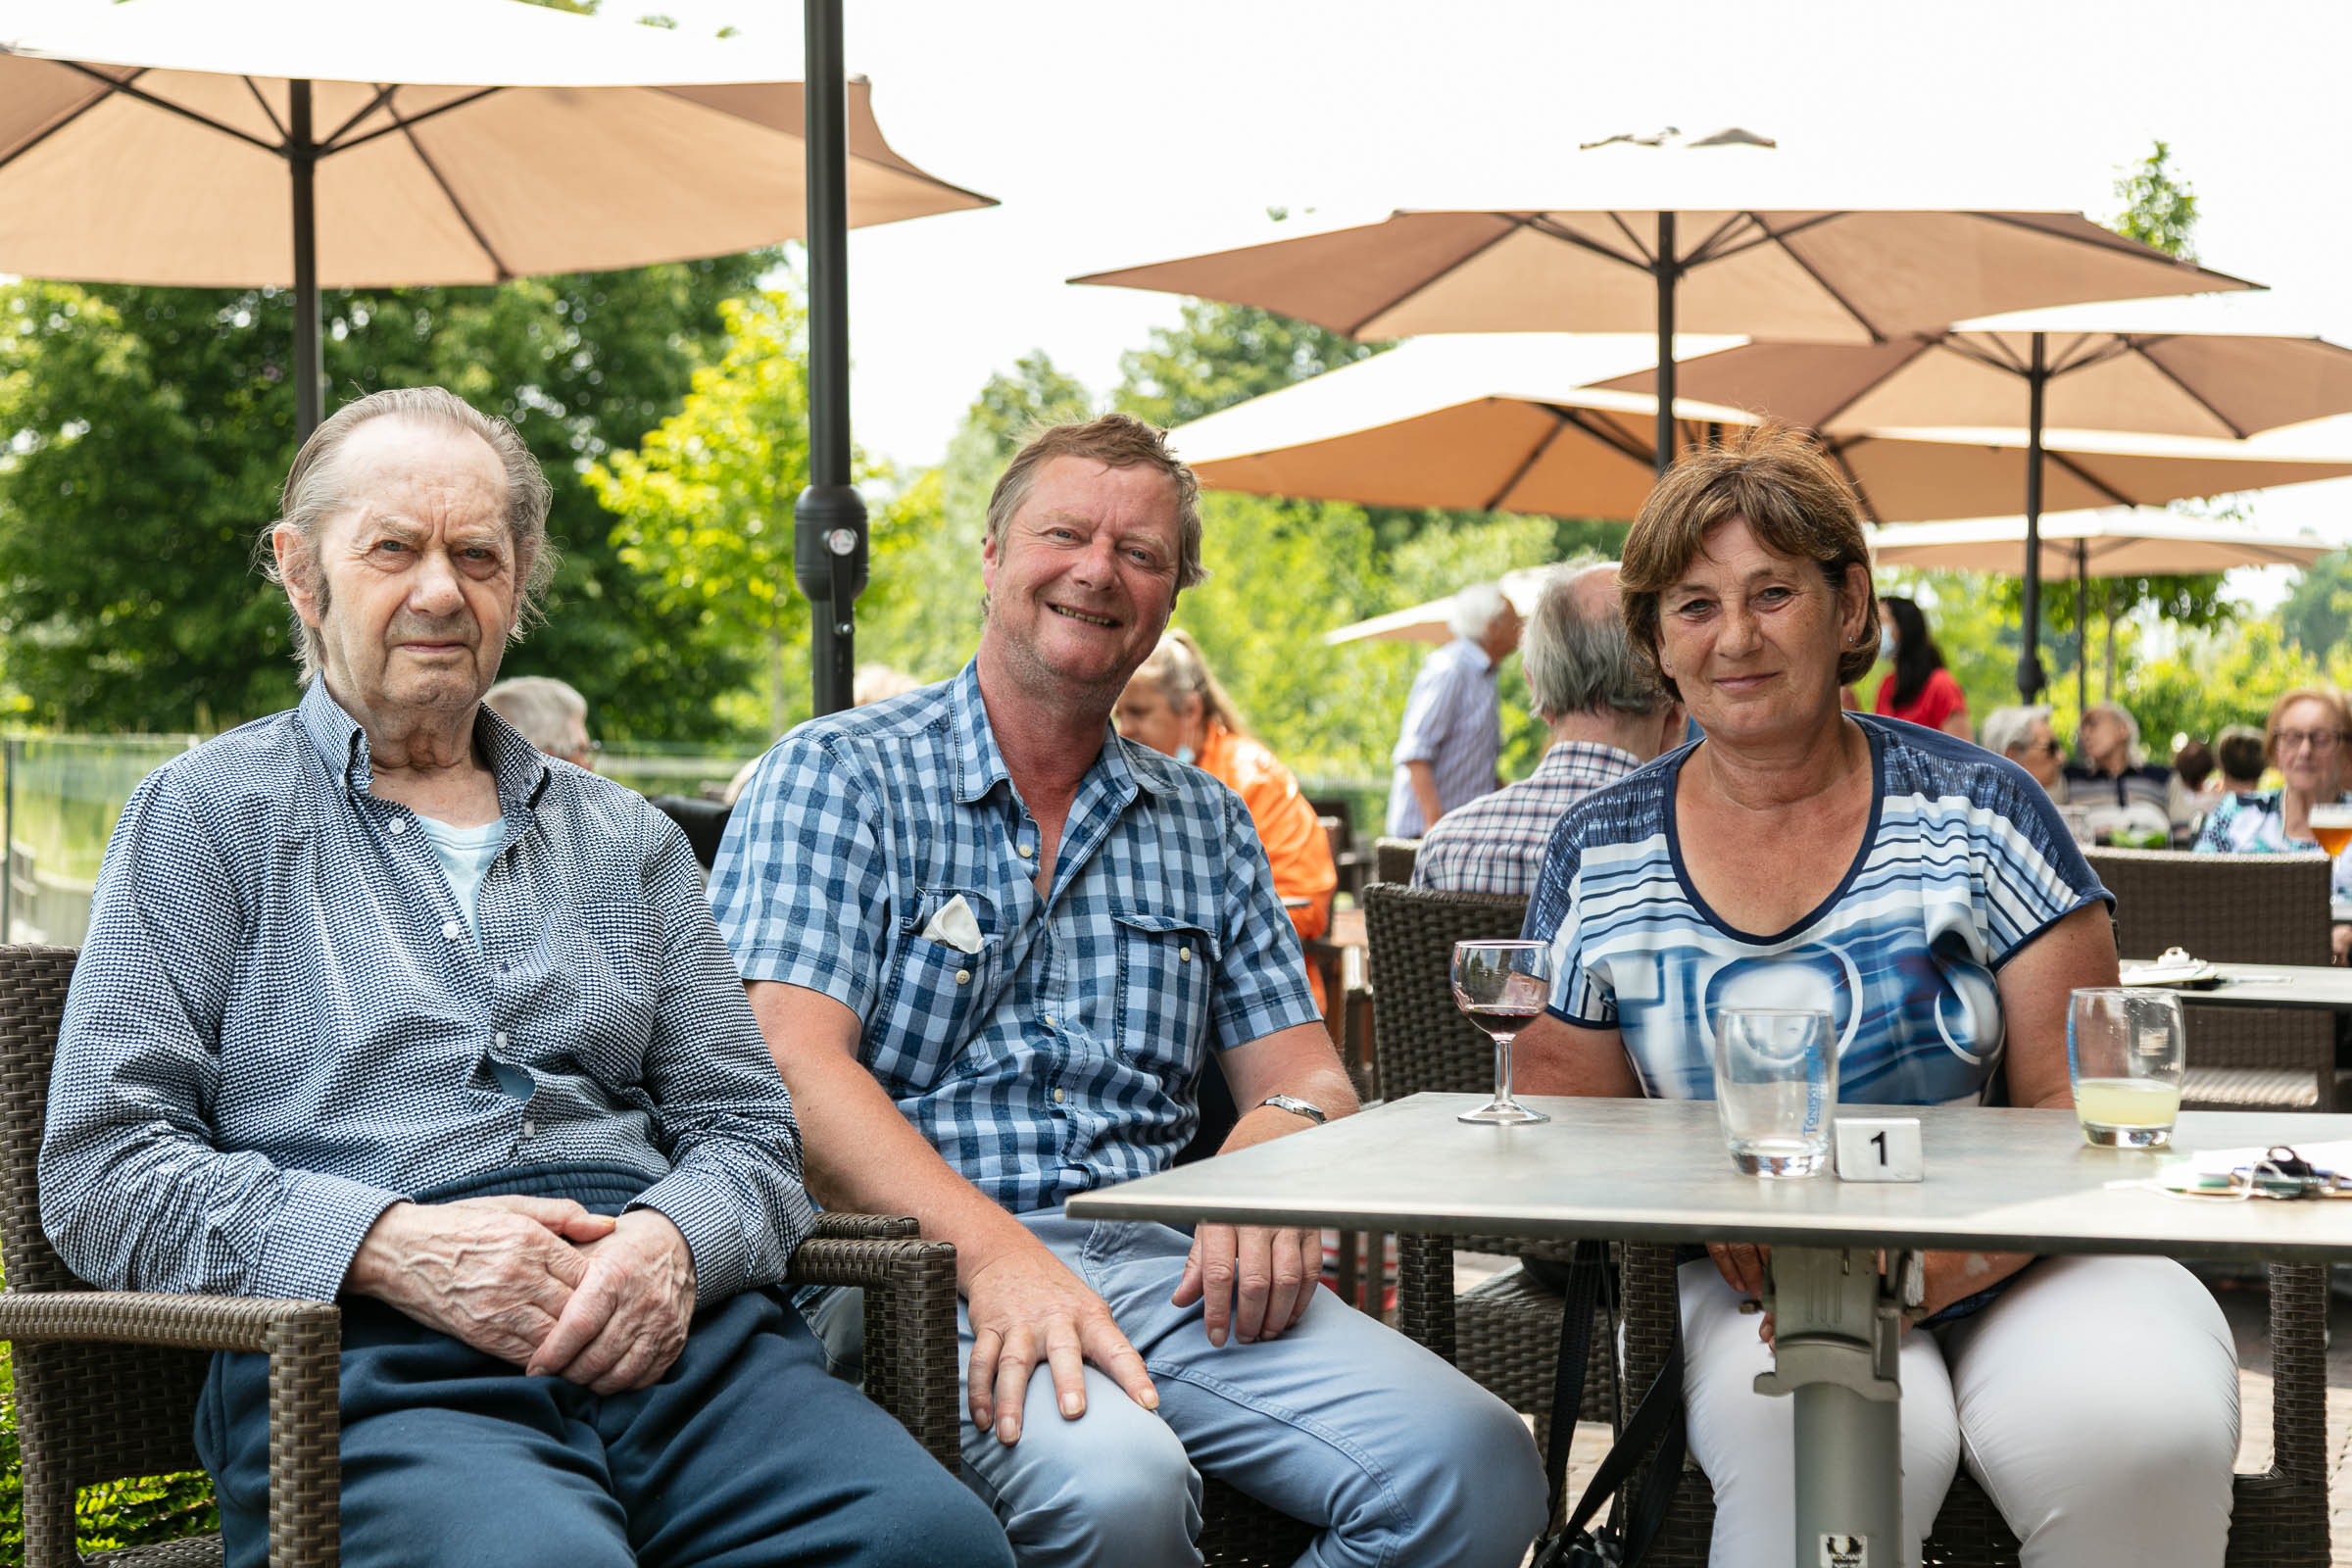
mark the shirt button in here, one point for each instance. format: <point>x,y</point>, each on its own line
<point>1058,1096</point>
<point>502,1037</point>
<point>1027,851</point>
<point>530,1129</point>
<point>398,826</point>
<point>450,929</point>
<point>1184,954</point>
<point>1050,1024</point>
<point>963,978</point>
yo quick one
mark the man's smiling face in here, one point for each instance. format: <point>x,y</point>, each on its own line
<point>1081,585</point>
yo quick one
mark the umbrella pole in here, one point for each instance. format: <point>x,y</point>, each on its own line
<point>309,366</point>
<point>829,533</point>
<point>2029,677</point>
<point>1664,266</point>
<point>2081,626</point>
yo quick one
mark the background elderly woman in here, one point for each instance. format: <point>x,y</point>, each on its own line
<point>2024,736</point>
<point>1173,704</point>
<point>2304,739</point>
<point>1924,894</point>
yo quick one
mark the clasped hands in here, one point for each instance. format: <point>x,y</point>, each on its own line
<point>539,1282</point>
<point>1026,1308</point>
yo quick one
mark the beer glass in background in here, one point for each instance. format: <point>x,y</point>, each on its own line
<point>2332,825</point>
<point>2124,1051</point>
<point>1776,1084</point>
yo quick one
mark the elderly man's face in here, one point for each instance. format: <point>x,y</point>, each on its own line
<point>416,584</point>
<point>2041,755</point>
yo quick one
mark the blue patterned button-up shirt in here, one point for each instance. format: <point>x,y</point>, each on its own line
<point>1062,1053</point>
<point>1452,721</point>
<point>280,1025</point>
<point>1495,843</point>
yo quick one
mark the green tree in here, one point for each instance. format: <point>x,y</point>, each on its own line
<point>2319,608</point>
<point>706,503</point>
<point>1221,355</point>
<point>149,429</point>
<point>2159,208</point>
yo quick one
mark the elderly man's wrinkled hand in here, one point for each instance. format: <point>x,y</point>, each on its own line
<point>1251,1280</point>
<point>626,1320</point>
<point>496,1273</point>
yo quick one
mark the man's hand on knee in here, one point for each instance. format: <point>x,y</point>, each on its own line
<point>1025,1308</point>
<point>1251,1280</point>
<point>496,1273</point>
<point>627,1321</point>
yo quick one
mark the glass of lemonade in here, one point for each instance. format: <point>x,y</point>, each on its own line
<point>2124,1051</point>
<point>2332,825</point>
<point>1775,1086</point>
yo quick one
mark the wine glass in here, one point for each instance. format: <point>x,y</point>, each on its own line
<point>1502,985</point>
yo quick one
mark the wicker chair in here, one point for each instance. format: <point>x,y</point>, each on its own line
<point>106,1381</point>
<point>1505,1334</point>
<point>2234,909</point>
<point>1393,860</point>
<point>2278,1519</point>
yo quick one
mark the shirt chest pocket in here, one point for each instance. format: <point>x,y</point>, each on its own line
<point>1167,968</point>
<point>618,968</point>
<point>939,994</point>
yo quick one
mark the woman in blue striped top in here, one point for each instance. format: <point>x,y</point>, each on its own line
<point>1926,895</point>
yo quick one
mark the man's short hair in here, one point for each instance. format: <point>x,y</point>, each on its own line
<point>2241,749</point>
<point>1117,441</point>
<point>313,493</point>
<point>1580,662</point>
<point>2011,729</point>
<point>1475,608</point>
<point>542,708</point>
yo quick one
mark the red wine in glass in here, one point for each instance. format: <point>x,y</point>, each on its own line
<point>1499,986</point>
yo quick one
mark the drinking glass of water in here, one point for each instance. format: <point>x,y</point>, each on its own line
<point>1502,985</point>
<point>2124,1051</point>
<point>1776,1084</point>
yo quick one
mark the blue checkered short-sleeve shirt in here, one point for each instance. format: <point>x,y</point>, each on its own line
<point>280,1024</point>
<point>1061,1054</point>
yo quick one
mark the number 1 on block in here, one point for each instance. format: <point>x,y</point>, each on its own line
<point>1879,1148</point>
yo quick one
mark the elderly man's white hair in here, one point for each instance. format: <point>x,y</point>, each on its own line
<point>1475,608</point>
<point>2007,729</point>
<point>542,708</point>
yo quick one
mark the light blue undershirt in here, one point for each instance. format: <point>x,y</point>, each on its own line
<point>464,853</point>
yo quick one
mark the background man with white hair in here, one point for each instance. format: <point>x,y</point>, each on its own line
<point>1607,718</point>
<point>1452,731</point>
<point>551,714</point>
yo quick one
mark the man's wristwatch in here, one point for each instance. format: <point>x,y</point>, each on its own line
<point>1296,1108</point>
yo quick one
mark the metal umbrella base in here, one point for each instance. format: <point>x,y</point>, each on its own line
<point>1837,1329</point>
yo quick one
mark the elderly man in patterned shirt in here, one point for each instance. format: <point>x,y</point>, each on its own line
<point>1607,718</point>
<point>1453,730</point>
<point>993,946</point>
<point>379,1005</point>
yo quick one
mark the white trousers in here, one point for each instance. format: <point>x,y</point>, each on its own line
<point>2095,1400</point>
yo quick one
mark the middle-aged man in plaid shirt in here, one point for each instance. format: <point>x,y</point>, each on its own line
<point>992,945</point>
<point>1606,714</point>
<point>379,1005</point>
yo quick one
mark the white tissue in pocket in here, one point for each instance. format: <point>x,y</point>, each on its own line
<point>955,926</point>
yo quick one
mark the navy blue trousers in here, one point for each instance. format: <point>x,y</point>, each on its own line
<point>746,1454</point>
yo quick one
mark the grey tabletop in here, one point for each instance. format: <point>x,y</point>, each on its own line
<point>1655,1170</point>
<point>2273,985</point>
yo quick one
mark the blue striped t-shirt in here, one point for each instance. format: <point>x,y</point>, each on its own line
<point>1965,862</point>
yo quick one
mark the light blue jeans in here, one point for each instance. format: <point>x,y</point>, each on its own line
<point>1341,1422</point>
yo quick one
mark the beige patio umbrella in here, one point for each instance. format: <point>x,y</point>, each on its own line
<point>1725,238</point>
<point>375,143</point>
<point>2096,544</point>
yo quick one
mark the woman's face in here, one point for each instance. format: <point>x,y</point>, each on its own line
<point>2106,744</point>
<point>1753,637</point>
<point>2309,748</point>
<point>1145,715</point>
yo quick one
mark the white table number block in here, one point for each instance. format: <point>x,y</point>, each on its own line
<point>1879,1148</point>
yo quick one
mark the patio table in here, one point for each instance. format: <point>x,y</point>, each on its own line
<point>1646,1170</point>
<point>2325,988</point>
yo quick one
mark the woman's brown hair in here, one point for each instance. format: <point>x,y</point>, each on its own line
<point>1795,501</point>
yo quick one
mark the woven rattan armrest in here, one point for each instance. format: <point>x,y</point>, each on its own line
<point>302,1341</point>
<point>910,1289</point>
